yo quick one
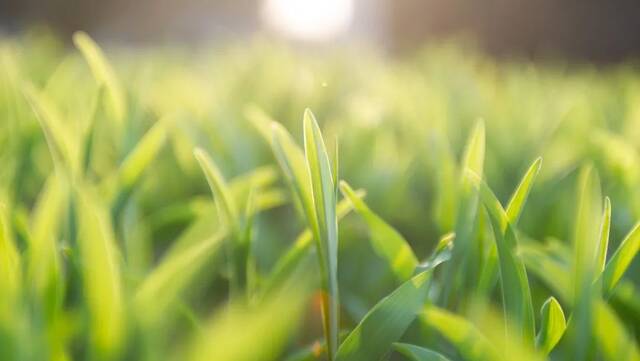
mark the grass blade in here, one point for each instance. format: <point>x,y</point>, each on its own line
<point>621,260</point>
<point>386,241</point>
<point>520,195</point>
<point>417,353</point>
<point>104,75</point>
<point>603,245</point>
<point>612,338</point>
<point>386,322</point>
<point>552,327</point>
<point>324,199</point>
<point>101,274</point>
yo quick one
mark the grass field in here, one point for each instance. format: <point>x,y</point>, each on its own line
<point>252,202</point>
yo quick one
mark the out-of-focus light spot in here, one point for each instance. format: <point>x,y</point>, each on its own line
<point>312,20</point>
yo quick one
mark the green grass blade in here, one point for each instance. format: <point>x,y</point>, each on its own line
<point>164,284</point>
<point>473,158</point>
<point>520,195</point>
<point>141,156</point>
<point>324,199</point>
<point>417,353</point>
<point>101,274</point>
<point>386,322</point>
<point>516,293</point>
<point>104,75</point>
<point>10,266</point>
<point>621,260</point>
<point>603,245</point>
<point>552,327</point>
<point>386,241</point>
<point>462,334</point>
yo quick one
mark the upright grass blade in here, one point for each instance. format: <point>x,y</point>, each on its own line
<point>516,293</point>
<point>513,211</point>
<point>386,241</point>
<point>386,322</point>
<point>417,353</point>
<point>104,75</point>
<point>603,245</point>
<point>466,254</point>
<point>462,334</point>
<point>165,283</point>
<point>552,325</point>
<point>324,199</point>
<point>621,260</point>
<point>585,245</point>
<point>101,274</point>
<point>228,208</point>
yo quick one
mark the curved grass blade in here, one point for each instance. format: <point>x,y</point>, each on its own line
<point>386,322</point>
<point>104,75</point>
<point>324,200</point>
<point>516,293</point>
<point>141,156</point>
<point>603,245</point>
<point>386,241</point>
<point>552,327</point>
<point>417,353</point>
<point>621,260</point>
<point>101,274</point>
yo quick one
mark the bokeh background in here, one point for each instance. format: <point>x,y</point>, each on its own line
<point>589,30</point>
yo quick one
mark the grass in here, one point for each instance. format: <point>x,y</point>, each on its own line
<point>152,208</point>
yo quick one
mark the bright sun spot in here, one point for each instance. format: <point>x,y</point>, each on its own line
<point>313,20</point>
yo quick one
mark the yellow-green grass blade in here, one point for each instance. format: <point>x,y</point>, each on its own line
<point>101,273</point>
<point>620,260</point>
<point>611,335</point>
<point>60,139</point>
<point>386,322</point>
<point>164,284</point>
<point>516,293</point>
<point>386,241</point>
<point>585,243</point>
<point>521,193</point>
<point>552,325</point>
<point>10,269</point>
<point>466,254</point>
<point>241,333</point>
<point>603,245</point>
<point>417,353</point>
<point>461,333</point>
<point>324,200</point>
<point>44,269</point>
<point>104,75</point>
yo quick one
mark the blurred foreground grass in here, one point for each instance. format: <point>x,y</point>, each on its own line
<point>111,246</point>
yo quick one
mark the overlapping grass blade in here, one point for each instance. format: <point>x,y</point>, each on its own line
<point>417,353</point>
<point>386,322</point>
<point>516,293</point>
<point>324,199</point>
<point>386,241</point>
<point>101,273</point>
<point>552,325</point>
<point>621,260</point>
<point>104,75</point>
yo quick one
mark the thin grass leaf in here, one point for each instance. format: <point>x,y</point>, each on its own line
<point>101,274</point>
<point>552,325</point>
<point>621,260</point>
<point>386,322</point>
<point>10,266</point>
<point>516,293</point>
<point>324,199</point>
<point>417,353</point>
<point>104,75</point>
<point>603,245</point>
<point>473,158</point>
<point>466,338</point>
<point>141,156</point>
<point>520,195</point>
<point>164,284</point>
<point>386,241</point>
